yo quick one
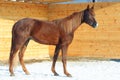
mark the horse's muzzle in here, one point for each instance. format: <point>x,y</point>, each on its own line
<point>95,25</point>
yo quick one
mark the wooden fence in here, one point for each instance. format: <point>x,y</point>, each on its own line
<point>88,42</point>
<point>102,42</point>
<point>10,12</point>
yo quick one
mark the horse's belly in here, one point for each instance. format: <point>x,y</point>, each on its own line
<point>50,39</point>
<point>46,33</point>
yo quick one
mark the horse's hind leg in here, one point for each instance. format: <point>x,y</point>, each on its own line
<point>12,57</point>
<point>17,43</point>
<point>21,55</point>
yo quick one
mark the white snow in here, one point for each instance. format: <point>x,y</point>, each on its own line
<point>81,70</point>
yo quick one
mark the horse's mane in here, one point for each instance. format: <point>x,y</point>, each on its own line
<point>72,15</point>
<point>71,22</point>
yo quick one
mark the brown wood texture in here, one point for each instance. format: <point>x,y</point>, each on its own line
<point>102,42</point>
<point>10,12</point>
<point>18,10</point>
<point>38,1</point>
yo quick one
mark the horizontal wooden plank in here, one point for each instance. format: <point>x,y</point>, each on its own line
<point>88,42</point>
<point>100,42</point>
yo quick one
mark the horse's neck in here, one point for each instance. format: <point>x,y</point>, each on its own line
<point>76,20</point>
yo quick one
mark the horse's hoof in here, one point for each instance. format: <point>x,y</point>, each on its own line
<point>69,75</point>
<point>27,73</point>
<point>56,74</point>
<point>12,74</point>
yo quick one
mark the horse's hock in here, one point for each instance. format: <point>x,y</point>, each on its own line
<point>102,42</point>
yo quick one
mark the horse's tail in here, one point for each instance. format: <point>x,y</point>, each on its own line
<point>15,61</point>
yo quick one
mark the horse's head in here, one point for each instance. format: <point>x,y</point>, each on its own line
<point>89,17</point>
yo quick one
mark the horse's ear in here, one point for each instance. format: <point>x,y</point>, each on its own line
<point>92,7</point>
<point>88,7</point>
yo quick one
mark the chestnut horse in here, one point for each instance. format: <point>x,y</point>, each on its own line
<point>57,32</point>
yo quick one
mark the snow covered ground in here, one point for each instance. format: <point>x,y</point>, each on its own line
<point>81,70</point>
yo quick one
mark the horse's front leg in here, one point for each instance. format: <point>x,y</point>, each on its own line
<point>56,53</point>
<point>64,58</point>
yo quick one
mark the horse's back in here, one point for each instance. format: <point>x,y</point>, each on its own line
<point>41,31</point>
